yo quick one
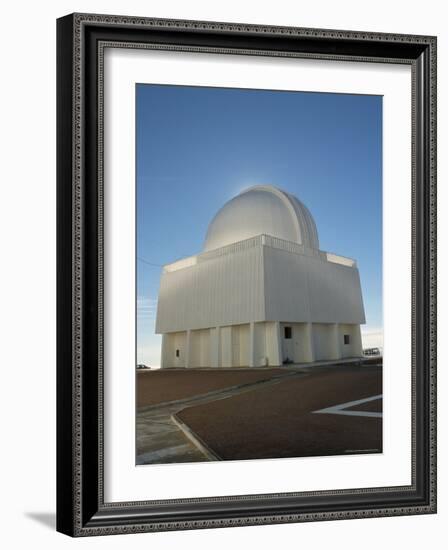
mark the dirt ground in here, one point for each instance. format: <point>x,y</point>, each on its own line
<point>159,386</point>
<point>280,420</point>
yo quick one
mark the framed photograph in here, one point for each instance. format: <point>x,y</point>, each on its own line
<point>246,274</point>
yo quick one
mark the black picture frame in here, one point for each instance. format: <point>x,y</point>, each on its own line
<point>81,510</point>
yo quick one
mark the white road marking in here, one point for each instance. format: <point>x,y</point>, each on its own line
<point>341,409</point>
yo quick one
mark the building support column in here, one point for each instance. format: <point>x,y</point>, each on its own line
<point>274,343</point>
<point>309,345</point>
<point>188,350</point>
<point>252,344</point>
<point>334,342</point>
<point>164,361</point>
<point>215,337</point>
<point>357,341</point>
<point>226,346</point>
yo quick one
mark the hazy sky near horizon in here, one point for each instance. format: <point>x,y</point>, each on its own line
<point>199,147</point>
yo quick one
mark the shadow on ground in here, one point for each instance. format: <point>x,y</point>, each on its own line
<point>47,519</point>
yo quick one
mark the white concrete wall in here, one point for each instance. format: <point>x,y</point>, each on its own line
<point>273,344</point>
<point>325,342</point>
<point>235,346</point>
<point>299,348</point>
<point>308,338</point>
<point>200,348</point>
<point>354,348</point>
<point>170,343</point>
<point>254,282</point>
<point>215,347</point>
<point>221,291</point>
<point>241,345</point>
<point>305,288</point>
<point>260,345</point>
<point>226,347</point>
<point>225,307</point>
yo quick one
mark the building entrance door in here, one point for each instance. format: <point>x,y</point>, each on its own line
<point>177,358</point>
<point>287,345</point>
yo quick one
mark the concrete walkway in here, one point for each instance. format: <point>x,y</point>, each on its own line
<point>162,438</point>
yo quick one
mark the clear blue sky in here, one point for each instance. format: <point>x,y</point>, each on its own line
<point>198,147</point>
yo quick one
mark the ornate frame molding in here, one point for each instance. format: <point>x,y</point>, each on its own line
<point>81,42</point>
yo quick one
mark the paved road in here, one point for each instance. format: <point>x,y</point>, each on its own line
<point>331,411</point>
<point>161,440</point>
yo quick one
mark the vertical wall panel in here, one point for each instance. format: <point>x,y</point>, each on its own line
<point>260,357</point>
<point>354,348</point>
<point>226,346</point>
<point>306,288</point>
<point>223,290</point>
<point>273,344</point>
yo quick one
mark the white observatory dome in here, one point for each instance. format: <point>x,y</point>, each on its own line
<point>262,210</point>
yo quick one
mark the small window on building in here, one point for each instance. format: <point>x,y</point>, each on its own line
<point>346,338</point>
<point>177,353</point>
<point>288,333</point>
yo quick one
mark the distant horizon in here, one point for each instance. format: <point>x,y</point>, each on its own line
<point>199,147</point>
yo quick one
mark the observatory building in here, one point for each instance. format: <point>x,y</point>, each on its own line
<point>261,293</point>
